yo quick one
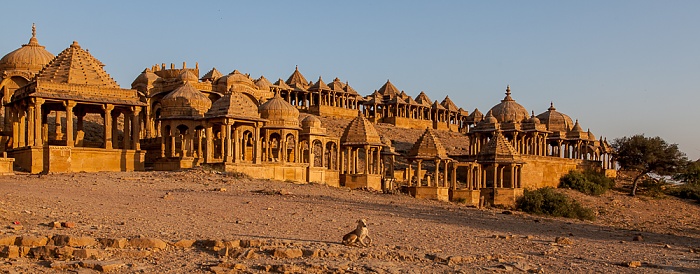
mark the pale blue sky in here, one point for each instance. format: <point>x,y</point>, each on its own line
<point>620,67</point>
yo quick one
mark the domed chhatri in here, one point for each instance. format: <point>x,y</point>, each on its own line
<point>234,105</point>
<point>237,81</point>
<point>509,111</point>
<point>311,122</point>
<point>31,56</point>
<point>185,101</point>
<point>555,121</point>
<point>280,113</point>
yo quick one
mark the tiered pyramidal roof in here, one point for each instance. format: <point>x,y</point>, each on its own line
<point>428,146</point>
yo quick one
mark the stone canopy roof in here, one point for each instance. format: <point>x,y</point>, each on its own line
<point>282,85</point>
<point>185,102</point>
<point>76,66</point>
<point>555,120</point>
<point>76,75</point>
<point>498,150</point>
<point>234,105</point>
<point>279,113</point>
<point>448,104</point>
<point>359,132</point>
<point>212,75</point>
<point>297,80</point>
<point>423,99</point>
<point>388,89</point>
<point>428,146</point>
<point>319,85</point>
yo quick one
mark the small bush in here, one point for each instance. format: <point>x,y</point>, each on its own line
<point>546,201</point>
<point>588,182</point>
<point>653,188</point>
<point>685,191</point>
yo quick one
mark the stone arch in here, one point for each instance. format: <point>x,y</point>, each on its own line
<point>331,156</point>
<point>304,150</point>
<point>275,148</point>
<point>318,153</point>
<point>290,144</point>
<point>248,145</point>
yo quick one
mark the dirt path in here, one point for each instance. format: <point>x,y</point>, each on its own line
<point>409,235</point>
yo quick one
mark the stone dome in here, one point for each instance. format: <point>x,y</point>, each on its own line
<point>489,119</point>
<point>31,56</point>
<point>263,84</point>
<point>590,135</point>
<point>310,122</point>
<point>279,113</point>
<point>145,79</point>
<point>234,105</point>
<point>236,81</point>
<point>185,101</point>
<point>555,121</point>
<point>188,76</point>
<point>509,111</point>
<point>534,119</point>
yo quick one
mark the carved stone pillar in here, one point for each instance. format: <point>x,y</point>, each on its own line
<point>135,128</point>
<point>107,108</point>
<point>38,118</point>
<point>209,148</point>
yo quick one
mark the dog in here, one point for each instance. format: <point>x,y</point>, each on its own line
<point>358,235</point>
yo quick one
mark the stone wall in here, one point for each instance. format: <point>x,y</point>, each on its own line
<point>373,181</point>
<point>428,192</point>
<point>402,122</point>
<point>541,171</point>
<point>274,171</point>
<point>330,111</point>
<point>323,176</point>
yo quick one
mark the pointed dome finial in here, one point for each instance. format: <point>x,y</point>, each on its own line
<point>296,67</point>
<point>33,41</point>
<point>551,106</point>
<point>508,90</point>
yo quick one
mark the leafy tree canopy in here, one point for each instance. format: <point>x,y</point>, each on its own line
<point>647,155</point>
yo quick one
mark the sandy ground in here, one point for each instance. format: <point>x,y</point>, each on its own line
<point>409,235</point>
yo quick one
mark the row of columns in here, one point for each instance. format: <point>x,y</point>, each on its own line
<point>416,174</point>
<point>29,126</point>
<point>372,160</point>
<point>478,174</point>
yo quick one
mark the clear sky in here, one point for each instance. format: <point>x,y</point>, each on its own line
<point>620,67</point>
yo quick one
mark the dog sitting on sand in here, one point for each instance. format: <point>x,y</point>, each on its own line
<point>358,235</point>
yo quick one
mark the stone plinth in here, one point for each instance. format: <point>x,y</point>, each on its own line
<point>323,176</point>
<point>506,196</point>
<point>468,196</point>
<point>7,166</point>
<point>292,172</point>
<point>428,192</point>
<point>60,159</point>
<point>373,181</point>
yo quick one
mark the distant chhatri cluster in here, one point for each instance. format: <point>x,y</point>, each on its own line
<point>172,118</point>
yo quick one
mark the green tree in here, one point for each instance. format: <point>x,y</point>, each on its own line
<point>690,174</point>
<point>647,155</point>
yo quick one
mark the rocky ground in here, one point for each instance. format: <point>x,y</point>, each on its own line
<point>203,221</point>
